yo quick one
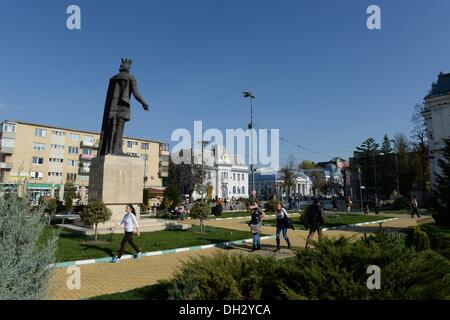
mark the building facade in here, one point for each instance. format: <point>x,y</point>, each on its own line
<point>437,117</point>
<point>41,159</point>
<point>270,185</point>
<point>227,174</point>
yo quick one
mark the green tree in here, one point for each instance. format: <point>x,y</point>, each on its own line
<point>289,174</point>
<point>420,148</point>
<point>200,210</point>
<point>405,171</point>
<point>70,193</point>
<point>366,158</point>
<point>26,251</point>
<point>307,164</point>
<point>387,172</point>
<point>442,188</point>
<point>94,213</point>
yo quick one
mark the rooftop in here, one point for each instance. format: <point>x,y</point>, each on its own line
<point>440,86</point>
<point>68,129</point>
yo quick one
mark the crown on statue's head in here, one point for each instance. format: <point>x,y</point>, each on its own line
<point>126,64</point>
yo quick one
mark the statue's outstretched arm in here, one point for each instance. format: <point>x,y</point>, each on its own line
<point>137,94</point>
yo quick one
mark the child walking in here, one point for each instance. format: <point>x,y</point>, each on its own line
<point>128,221</point>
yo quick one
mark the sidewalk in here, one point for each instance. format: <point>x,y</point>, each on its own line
<point>106,278</point>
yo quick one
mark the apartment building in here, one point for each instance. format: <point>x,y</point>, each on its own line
<point>41,158</point>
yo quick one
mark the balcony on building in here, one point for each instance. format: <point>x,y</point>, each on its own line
<point>87,156</point>
<point>5,165</point>
<point>164,149</point>
<point>89,144</point>
<point>7,150</point>
<point>83,170</point>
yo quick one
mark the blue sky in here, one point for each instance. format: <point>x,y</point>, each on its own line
<point>318,73</point>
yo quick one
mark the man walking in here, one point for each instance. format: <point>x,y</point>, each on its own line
<point>414,210</point>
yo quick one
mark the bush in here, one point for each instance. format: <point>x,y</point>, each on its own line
<point>417,239</point>
<point>271,205</point>
<point>401,203</point>
<point>200,210</point>
<point>217,210</point>
<point>25,252</point>
<point>94,213</point>
<point>335,269</point>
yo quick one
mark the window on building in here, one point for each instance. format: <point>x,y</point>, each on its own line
<point>234,190</point>
<point>55,174</point>
<point>9,127</point>
<point>86,151</point>
<point>74,136</point>
<point>239,177</point>
<point>131,144</point>
<point>38,132</point>
<point>133,154</point>
<point>58,133</point>
<point>145,145</point>
<point>238,190</point>
<point>73,163</point>
<point>57,146</point>
<point>164,147</point>
<point>38,160</point>
<point>243,190</point>
<point>71,176</point>
<point>243,177</point>
<point>88,139</point>
<point>36,175</point>
<point>234,176</point>
<point>57,160</point>
<point>73,150</point>
<point>38,146</point>
<point>144,156</point>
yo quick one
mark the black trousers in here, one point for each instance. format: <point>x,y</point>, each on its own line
<point>414,211</point>
<point>127,238</point>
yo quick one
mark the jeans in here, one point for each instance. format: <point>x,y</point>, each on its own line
<point>256,240</point>
<point>279,228</point>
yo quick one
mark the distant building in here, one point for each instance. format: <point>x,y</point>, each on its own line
<point>227,174</point>
<point>271,184</point>
<point>437,116</point>
<point>330,176</point>
<point>42,158</point>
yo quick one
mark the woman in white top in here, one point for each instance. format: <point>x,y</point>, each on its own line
<point>128,221</point>
<point>282,216</point>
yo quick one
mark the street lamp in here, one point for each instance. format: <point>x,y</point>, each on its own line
<point>396,166</point>
<point>203,143</point>
<point>248,94</point>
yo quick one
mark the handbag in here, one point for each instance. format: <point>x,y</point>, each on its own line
<point>256,228</point>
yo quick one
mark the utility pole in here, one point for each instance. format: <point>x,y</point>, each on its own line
<point>360,190</point>
<point>248,94</point>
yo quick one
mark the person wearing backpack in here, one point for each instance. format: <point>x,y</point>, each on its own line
<point>282,225</point>
<point>314,221</point>
<point>255,225</point>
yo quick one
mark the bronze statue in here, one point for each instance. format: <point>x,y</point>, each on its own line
<point>117,109</point>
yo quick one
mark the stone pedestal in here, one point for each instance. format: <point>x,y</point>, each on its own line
<point>117,181</point>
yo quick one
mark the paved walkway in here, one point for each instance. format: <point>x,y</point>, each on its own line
<point>106,278</point>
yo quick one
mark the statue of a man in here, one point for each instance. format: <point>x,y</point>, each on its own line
<point>117,109</point>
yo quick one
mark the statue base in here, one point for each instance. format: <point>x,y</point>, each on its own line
<point>117,181</point>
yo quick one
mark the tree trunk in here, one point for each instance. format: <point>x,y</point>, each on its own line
<point>95,233</point>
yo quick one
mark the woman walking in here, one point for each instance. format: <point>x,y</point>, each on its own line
<point>256,225</point>
<point>314,221</point>
<point>282,217</point>
<point>128,221</point>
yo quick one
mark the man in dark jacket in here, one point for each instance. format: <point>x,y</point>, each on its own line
<point>314,221</point>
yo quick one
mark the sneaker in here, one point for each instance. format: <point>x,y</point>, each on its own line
<point>137,255</point>
<point>115,260</point>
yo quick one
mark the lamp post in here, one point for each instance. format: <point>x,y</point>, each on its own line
<point>204,143</point>
<point>248,94</point>
<point>396,166</point>
<point>360,189</point>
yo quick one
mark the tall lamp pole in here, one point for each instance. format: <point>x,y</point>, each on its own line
<point>396,166</point>
<point>204,143</point>
<point>360,189</point>
<point>248,94</point>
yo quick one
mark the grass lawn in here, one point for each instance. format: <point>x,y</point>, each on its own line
<point>75,247</point>
<point>335,220</point>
